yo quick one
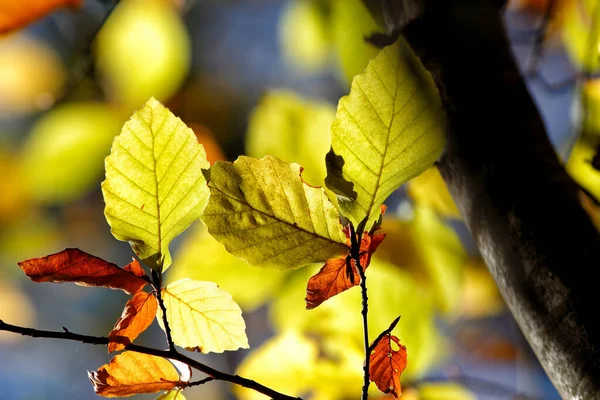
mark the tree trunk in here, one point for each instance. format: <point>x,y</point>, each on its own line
<point>513,193</point>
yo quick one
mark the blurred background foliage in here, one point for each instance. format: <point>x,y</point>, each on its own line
<point>258,77</point>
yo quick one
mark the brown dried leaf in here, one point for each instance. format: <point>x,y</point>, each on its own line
<point>387,364</point>
<point>74,265</point>
<point>132,373</point>
<point>137,316</point>
<point>16,14</point>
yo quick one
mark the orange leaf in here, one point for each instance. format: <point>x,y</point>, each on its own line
<point>15,14</point>
<point>337,275</point>
<point>138,314</point>
<point>387,364</point>
<point>74,265</point>
<point>131,373</point>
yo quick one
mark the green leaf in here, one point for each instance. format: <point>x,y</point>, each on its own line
<point>302,128</point>
<point>176,394</point>
<point>263,212</point>
<point>386,131</point>
<point>154,187</point>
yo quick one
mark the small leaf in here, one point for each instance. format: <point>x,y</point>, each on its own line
<point>386,131</point>
<point>137,316</point>
<point>203,317</point>
<point>340,274</point>
<point>387,364</point>
<point>263,212</point>
<point>16,14</point>
<point>74,265</point>
<point>172,395</point>
<point>132,373</point>
<point>154,187</point>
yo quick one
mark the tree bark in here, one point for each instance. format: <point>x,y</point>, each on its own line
<point>513,192</point>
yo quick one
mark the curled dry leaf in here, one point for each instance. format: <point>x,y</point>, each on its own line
<point>132,373</point>
<point>387,361</point>
<point>340,274</point>
<point>74,265</point>
<point>137,316</point>
<point>16,14</point>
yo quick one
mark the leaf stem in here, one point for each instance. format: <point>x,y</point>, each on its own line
<point>384,333</point>
<point>101,341</point>
<point>157,283</point>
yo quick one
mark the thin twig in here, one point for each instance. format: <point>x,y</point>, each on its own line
<point>101,341</point>
<point>200,382</point>
<point>157,282</point>
<point>382,334</point>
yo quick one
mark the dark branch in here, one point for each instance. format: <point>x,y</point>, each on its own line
<point>384,333</point>
<point>157,283</point>
<point>99,341</point>
<point>201,381</point>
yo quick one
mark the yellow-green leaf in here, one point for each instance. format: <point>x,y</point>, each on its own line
<point>154,187</point>
<point>386,131</point>
<point>264,213</point>
<point>172,395</point>
<point>257,286</point>
<point>203,317</point>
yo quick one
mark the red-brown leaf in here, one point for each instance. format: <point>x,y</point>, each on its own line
<point>74,265</point>
<point>17,13</point>
<point>334,279</point>
<point>137,316</point>
<point>387,364</point>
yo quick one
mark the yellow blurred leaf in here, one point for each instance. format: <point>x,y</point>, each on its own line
<point>16,14</point>
<point>15,200</point>
<point>257,286</point>
<point>386,131</point>
<point>430,190</point>
<point>479,294</point>
<point>304,34</point>
<point>580,168</point>
<point>581,34</point>
<point>132,373</point>
<point>32,75</point>
<point>444,391</point>
<point>302,132</point>
<point>172,395</point>
<point>62,156</point>
<point>143,50</point>
<point>264,213</point>
<point>154,187</point>
<point>284,363</point>
<point>203,317</point>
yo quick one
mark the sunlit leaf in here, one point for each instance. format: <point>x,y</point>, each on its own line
<point>138,314</point>
<point>74,265</point>
<point>62,156</point>
<point>302,128</point>
<point>16,14</point>
<point>430,190</point>
<point>203,317</point>
<point>172,395</point>
<point>351,23</point>
<point>264,213</point>
<point>154,187</point>
<point>445,391</point>
<point>257,286</point>
<point>142,50</point>
<point>132,373</point>
<point>581,33</point>
<point>284,362</point>
<point>340,274</point>
<point>580,167</point>
<point>388,361</point>
<point>304,35</point>
<point>386,131</point>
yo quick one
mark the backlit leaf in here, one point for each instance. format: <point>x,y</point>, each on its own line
<point>172,395</point>
<point>132,373</point>
<point>339,275</point>
<point>203,317</point>
<point>386,131</point>
<point>138,314</point>
<point>264,213</point>
<point>15,14</point>
<point>74,265</point>
<point>388,361</point>
<point>154,187</point>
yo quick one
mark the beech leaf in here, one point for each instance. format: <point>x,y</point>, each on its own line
<point>386,131</point>
<point>132,373</point>
<point>137,316</point>
<point>16,14</point>
<point>387,362</point>
<point>203,317</point>
<point>154,187</point>
<point>74,265</point>
<point>339,275</point>
<point>264,213</point>
<point>172,395</point>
